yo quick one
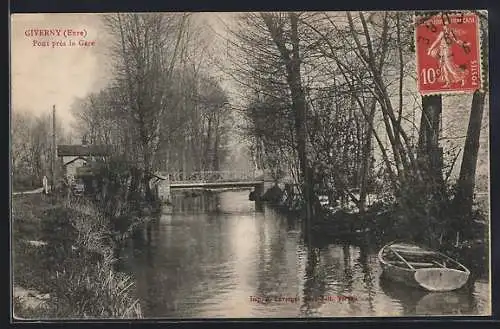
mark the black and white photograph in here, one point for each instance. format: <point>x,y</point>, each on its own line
<point>199,165</point>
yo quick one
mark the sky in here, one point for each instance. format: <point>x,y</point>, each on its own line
<point>45,76</point>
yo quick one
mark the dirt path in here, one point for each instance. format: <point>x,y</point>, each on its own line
<point>29,298</point>
<point>38,190</point>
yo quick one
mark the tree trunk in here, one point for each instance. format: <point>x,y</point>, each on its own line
<point>429,183</point>
<point>147,189</point>
<point>430,154</point>
<point>367,159</point>
<point>466,181</point>
<point>292,63</point>
<point>216,160</point>
<point>206,160</point>
<point>147,163</point>
<point>299,104</point>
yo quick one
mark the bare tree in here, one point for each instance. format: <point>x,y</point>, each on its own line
<point>145,54</point>
<point>273,54</point>
<point>21,128</point>
<point>164,104</point>
<point>32,150</point>
<point>463,199</point>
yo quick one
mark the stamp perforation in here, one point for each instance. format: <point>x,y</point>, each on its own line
<point>483,57</point>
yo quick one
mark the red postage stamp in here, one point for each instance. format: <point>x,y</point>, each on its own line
<point>448,54</point>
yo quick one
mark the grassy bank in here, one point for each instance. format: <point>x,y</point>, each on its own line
<point>63,251</point>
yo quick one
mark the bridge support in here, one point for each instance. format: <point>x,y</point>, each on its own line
<point>164,193</point>
<point>259,191</point>
<point>261,188</point>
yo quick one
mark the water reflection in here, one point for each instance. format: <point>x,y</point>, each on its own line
<point>368,280</point>
<point>218,255</point>
<point>418,302</point>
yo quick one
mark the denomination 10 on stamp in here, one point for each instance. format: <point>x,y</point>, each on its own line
<point>448,54</point>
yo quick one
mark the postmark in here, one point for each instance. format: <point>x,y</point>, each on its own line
<point>448,53</point>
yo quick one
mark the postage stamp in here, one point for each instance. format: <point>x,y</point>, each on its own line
<point>448,53</point>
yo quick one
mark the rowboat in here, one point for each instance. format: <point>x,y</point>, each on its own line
<point>421,267</point>
<point>415,301</point>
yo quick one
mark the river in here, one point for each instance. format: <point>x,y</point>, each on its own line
<point>216,255</point>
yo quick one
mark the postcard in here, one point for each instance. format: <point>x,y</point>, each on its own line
<point>194,165</point>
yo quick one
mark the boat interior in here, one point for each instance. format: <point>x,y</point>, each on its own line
<point>412,257</point>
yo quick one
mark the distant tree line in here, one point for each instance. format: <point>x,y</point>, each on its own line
<point>164,110</point>
<point>31,148</point>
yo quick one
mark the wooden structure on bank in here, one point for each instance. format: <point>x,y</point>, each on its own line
<point>77,160</point>
<point>161,188</point>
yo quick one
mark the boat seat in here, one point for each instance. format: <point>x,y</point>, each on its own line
<point>409,248</point>
<point>413,252</point>
<point>415,264</point>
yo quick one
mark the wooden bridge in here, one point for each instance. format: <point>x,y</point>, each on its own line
<point>211,179</point>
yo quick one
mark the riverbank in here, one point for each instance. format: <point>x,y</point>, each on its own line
<point>382,223</point>
<point>63,261</point>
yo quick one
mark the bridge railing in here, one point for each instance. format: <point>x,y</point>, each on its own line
<point>211,176</point>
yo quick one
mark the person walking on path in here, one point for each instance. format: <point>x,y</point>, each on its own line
<point>45,183</point>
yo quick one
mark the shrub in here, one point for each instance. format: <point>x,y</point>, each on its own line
<point>23,311</point>
<point>75,267</point>
<point>94,291</point>
<point>25,183</point>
